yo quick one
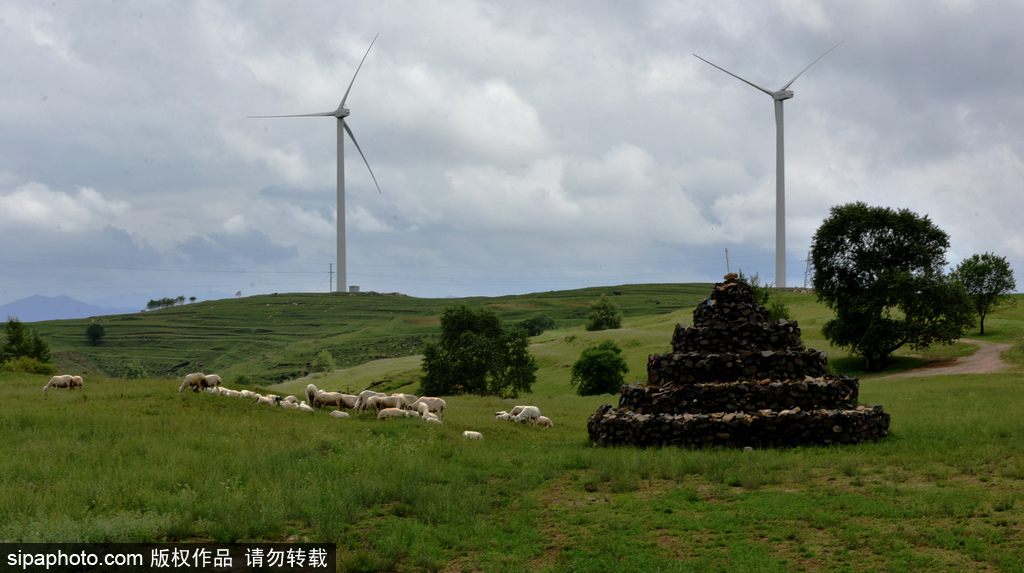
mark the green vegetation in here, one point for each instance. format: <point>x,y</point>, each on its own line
<point>23,349</point>
<point>133,460</point>
<point>763,295</point>
<point>604,314</point>
<point>988,281</point>
<point>477,354</point>
<point>94,333</point>
<point>881,271</point>
<point>601,369</point>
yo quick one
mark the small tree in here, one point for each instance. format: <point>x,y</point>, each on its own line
<point>94,333</point>
<point>20,340</point>
<point>604,314</point>
<point>764,295</point>
<point>477,354</point>
<point>601,369</point>
<point>135,371</point>
<point>988,281</point>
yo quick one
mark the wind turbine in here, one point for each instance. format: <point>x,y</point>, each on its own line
<point>341,113</point>
<point>779,96</point>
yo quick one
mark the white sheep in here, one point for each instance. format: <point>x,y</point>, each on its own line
<point>290,399</point>
<point>528,414</point>
<point>213,380</point>
<point>502,415</point>
<point>246,393</point>
<point>303,407</point>
<point>473,435</point>
<point>361,403</point>
<point>196,381</point>
<point>311,391</point>
<point>288,405</point>
<point>268,399</point>
<point>64,381</point>
<point>230,393</point>
<point>339,414</point>
<point>545,422</point>
<point>324,398</point>
<point>428,417</point>
<point>392,413</point>
<point>436,405</point>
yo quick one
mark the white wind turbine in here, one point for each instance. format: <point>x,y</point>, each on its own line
<point>779,96</point>
<point>341,113</point>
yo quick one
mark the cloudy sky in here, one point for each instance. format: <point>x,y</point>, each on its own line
<point>520,147</point>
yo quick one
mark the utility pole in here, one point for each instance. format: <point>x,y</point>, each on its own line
<point>727,271</point>
<point>330,275</point>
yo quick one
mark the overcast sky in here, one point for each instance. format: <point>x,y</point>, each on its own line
<point>519,146</point>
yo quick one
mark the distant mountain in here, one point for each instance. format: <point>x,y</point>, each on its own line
<point>36,308</point>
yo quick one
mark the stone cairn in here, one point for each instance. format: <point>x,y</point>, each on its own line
<point>735,379</point>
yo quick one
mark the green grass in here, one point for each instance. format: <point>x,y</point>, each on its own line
<point>137,461</point>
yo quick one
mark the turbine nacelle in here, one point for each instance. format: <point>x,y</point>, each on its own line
<point>344,111</point>
<point>782,95</point>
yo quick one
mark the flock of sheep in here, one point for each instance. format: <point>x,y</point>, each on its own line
<point>426,408</point>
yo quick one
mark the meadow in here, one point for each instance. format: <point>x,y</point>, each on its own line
<point>134,460</point>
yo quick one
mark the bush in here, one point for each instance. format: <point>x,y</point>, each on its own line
<point>537,324</point>
<point>28,365</point>
<point>601,369</point>
<point>135,371</point>
<point>324,362</point>
<point>20,340</point>
<point>604,314</point>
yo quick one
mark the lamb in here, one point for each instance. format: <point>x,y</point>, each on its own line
<point>303,407</point>
<point>246,393</point>
<point>473,435</point>
<point>64,381</point>
<point>339,414</point>
<point>437,405</point>
<point>196,381</point>
<point>545,422</point>
<point>387,413</point>
<point>502,415</point>
<point>428,417</point>
<point>290,399</point>
<point>528,414</point>
<point>288,405</point>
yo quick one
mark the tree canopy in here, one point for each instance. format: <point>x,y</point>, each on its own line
<point>601,369</point>
<point>476,354</point>
<point>988,281</point>
<point>604,314</point>
<point>881,271</point>
<point>20,340</point>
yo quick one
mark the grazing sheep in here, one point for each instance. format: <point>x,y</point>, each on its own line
<point>303,407</point>
<point>393,401</point>
<point>361,403</point>
<point>392,413</point>
<point>502,415</point>
<point>196,381</point>
<point>473,435</point>
<point>290,399</point>
<point>230,393</point>
<point>213,380</point>
<point>428,417</point>
<point>64,381</point>
<point>311,394</point>
<point>515,411</point>
<point>246,393</point>
<point>528,414</point>
<point>339,414</point>
<point>324,398</point>
<point>436,405</point>
<point>409,398</point>
<point>288,405</point>
<point>545,422</point>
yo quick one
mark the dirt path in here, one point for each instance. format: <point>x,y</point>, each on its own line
<point>985,359</point>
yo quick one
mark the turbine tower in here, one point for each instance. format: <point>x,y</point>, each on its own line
<point>779,96</point>
<point>341,113</point>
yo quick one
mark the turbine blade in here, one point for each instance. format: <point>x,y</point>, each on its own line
<point>349,131</point>
<point>785,87</point>
<point>321,114</point>
<point>345,97</point>
<point>735,76</point>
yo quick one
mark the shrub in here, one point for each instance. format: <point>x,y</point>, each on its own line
<point>601,369</point>
<point>28,365</point>
<point>537,324</point>
<point>135,371</point>
<point>324,362</point>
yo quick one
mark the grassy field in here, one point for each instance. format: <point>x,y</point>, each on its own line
<point>134,460</point>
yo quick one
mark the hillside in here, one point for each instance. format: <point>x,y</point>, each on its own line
<point>375,338</point>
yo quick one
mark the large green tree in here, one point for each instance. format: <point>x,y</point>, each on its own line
<point>477,354</point>
<point>604,314</point>
<point>881,271</point>
<point>988,281</point>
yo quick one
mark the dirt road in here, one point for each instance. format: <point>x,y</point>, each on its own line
<point>985,359</point>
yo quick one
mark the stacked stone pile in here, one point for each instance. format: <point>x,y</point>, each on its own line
<point>736,379</point>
